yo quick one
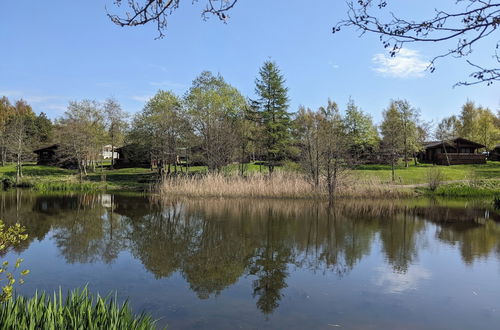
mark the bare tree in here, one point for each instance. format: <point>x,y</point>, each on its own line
<point>116,122</point>
<point>18,139</point>
<point>472,22</point>
<point>307,124</point>
<point>141,12</point>
<point>335,157</point>
<point>81,132</point>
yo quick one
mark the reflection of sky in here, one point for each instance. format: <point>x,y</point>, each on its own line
<point>395,282</point>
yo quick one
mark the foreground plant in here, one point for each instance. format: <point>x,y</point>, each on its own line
<point>9,237</point>
<point>80,310</point>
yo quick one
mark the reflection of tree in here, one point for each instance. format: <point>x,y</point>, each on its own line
<point>216,260</point>
<point>81,234</point>
<point>400,237</point>
<point>475,241</point>
<point>270,265</point>
<point>161,239</point>
<point>475,230</point>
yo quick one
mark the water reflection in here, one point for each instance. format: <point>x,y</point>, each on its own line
<point>213,244</point>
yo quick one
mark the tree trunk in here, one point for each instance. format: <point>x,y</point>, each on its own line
<point>112,149</point>
<point>392,170</point>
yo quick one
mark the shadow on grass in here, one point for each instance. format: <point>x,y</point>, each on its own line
<point>124,178</point>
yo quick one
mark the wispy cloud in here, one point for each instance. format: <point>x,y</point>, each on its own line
<point>141,98</point>
<point>167,84</point>
<point>393,282</point>
<point>159,67</point>
<point>333,65</point>
<point>408,63</point>
<point>10,93</point>
<point>55,107</point>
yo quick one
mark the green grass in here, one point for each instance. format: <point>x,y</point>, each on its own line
<point>418,174</point>
<point>80,310</point>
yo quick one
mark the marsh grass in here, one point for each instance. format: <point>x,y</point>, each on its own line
<point>80,310</point>
<point>479,188</point>
<point>279,185</point>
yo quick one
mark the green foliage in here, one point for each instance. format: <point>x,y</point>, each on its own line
<point>158,130</point>
<point>360,130</point>
<point>80,310</point>
<point>9,237</point>
<point>215,108</point>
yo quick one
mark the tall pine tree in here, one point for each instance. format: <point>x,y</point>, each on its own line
<point>271,107</point>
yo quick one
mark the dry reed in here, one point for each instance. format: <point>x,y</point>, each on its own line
<point>279,185</point>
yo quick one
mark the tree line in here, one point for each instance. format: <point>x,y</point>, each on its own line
<point>214,125</point>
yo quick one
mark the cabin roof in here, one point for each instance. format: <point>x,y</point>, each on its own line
<point>432,144</point>
<point>49,147</point>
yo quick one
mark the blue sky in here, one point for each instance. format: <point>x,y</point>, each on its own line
<point>56,51</point>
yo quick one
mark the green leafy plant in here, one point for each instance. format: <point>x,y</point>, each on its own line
<point>9,237</point>
<point>80,310</point>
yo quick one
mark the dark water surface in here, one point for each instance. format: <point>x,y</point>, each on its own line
<point>269,264</point>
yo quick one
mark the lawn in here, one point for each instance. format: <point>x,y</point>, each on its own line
<point>418,174</point>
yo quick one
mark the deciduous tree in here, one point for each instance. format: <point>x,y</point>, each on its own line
<point>214,108</point>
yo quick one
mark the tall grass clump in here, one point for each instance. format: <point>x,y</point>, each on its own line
<point>434,178</point>
<point>279,185</point>
<point>78,311</point>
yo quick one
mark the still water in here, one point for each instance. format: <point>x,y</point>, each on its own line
<point>218,264</point>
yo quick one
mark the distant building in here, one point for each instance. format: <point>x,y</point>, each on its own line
<point>495,153</point>
<point>133,155</point>
<point>452,152</point>
<point>107,152</point>
<point>47,155</point>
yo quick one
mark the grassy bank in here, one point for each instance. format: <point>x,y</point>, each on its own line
<point>80,310</point>
<point>473,180</point>
<point>478,188</point>
<point>49,178</point>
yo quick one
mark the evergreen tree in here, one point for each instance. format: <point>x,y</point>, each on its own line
<point>271,107</point>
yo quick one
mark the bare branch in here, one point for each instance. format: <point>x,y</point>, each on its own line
<point>474,20</point>
<point>142,12</point>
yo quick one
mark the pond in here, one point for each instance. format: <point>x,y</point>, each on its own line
<point>226,264</point>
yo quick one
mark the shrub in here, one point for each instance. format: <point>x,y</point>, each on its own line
<point>78,311</point>
<point>434,177</point>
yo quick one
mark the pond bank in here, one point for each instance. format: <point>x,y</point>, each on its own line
<point>284,184</point>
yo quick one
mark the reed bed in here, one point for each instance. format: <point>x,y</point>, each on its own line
<point>279,185</point>
<point>78,311</point>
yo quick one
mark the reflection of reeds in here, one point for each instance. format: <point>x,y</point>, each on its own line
<point>285,208</point>
<point>279,185</point>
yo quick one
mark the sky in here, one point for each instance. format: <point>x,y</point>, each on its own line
<point>56,51</point>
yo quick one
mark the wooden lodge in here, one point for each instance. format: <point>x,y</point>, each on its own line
<point>495,153</point>
<point>452,152</point>
<point>47,155</point>
<point>132,155</point>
